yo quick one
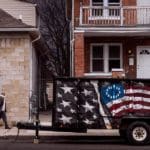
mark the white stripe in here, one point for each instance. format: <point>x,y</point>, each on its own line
<point>106,120</point>
<point>133,91</point>
<point>128,98</point>
<point>134,106</point>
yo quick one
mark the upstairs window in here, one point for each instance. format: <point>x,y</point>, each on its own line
<point>113,2</point>
<point>105,2</point>
<point>97,2</point>
<point>107,8</point>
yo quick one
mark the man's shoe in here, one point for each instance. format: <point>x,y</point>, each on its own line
<point>7,128</point>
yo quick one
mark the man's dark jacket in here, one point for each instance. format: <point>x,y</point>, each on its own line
<point>1,102</point>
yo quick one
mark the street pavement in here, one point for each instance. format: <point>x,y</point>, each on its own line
<point>89,143</point>
<point>93,140</point>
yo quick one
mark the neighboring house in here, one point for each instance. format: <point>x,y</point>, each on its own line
<point>18,57</point>
<point>21,10</point>
<point>111,34</point>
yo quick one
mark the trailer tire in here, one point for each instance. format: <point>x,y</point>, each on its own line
<point>138,133</point>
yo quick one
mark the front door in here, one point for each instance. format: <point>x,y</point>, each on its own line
<point>143,62</point>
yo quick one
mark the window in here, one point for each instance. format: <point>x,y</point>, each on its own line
<point>104,57</point>
<point>97,2</point>
<point>114,57</point>
<point>113,2</point>
<point>108,10</point>
<point>98,58</point>
<point>105,2</point>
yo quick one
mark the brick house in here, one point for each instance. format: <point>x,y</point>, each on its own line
<point>111,35</point>
<point>18,57</point>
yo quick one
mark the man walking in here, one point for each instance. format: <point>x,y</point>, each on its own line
<point>3,110</point>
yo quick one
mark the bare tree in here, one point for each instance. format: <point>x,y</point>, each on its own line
<point>55,32</point>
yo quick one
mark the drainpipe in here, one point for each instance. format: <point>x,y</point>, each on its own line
<point>37,121</point>
<point>31,66</point>
<point>72,41</point>
<point>31,54</point>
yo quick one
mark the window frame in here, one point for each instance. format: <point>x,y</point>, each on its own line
<point>106,57</point>
<point>105,10</point>
<point>97,3</point>
<point>105,3</point>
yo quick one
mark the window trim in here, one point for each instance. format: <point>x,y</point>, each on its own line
<point>105,3</point>
<point>99,3</point>
<point>105,11</point>
<point>106,57</point>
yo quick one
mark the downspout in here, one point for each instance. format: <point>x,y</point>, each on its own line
<point>72,41</point>
<point>38,22</point>
<point>31,54</point>
<point>31,73</point>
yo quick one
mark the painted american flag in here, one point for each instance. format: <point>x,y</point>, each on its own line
<point>66,107</point>
<point>123,99</point>
<point>76,104</point>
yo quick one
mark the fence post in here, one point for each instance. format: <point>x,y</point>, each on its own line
<point>81,14</point>
<point>121,16</point>
<point>36,139</point>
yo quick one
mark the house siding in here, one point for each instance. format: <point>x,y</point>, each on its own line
<point>16,8</point>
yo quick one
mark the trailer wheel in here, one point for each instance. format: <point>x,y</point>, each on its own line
<point>138,133</point>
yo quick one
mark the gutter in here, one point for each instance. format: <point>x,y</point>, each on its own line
<point>18,29</point>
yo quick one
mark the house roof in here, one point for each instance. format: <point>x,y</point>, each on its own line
<point>8,21</point>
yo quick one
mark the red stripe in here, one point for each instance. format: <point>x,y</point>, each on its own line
<point>137,95</point>
<point>137,88</point>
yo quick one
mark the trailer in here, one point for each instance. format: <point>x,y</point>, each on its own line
<point>97,103</point>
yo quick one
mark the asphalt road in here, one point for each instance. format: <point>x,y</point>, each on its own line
<point>69,143</point>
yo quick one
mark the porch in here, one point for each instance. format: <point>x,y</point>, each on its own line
<point>120,16</point>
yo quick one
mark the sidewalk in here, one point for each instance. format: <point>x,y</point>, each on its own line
<point>45,119</point>
<point>14,131</point>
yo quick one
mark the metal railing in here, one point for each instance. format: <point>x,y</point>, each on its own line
<point>114,16</point>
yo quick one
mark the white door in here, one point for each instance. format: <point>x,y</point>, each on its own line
<point>143,11</point>
<point>143,62</point>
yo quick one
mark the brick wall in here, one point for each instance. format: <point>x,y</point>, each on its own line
<point>129,2</point>
<point>79,55</point>
<point>14,74</point>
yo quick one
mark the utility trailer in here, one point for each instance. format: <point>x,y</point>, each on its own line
<point>97,103</point>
